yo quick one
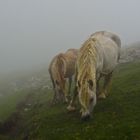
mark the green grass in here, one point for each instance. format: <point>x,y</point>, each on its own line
<point>8,104</point>
<point>115,118</point>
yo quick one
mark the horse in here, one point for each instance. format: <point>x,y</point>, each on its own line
<point>97,58</point>
<point>62,68</point>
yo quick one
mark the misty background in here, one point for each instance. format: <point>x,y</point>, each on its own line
<point>33,31</point>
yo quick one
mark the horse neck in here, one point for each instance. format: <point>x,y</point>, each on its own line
<point>87,70</point>
<point>87,63</point>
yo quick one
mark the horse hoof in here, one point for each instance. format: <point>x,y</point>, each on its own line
<point>102,96</point>
<point>66,101</point>
<point>71,108</point>
<point>85,117</point>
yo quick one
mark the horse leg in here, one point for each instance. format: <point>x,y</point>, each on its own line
<point>98,86</point>
<point>66,98</point>
<point>55,94</point>
<point>108,85</point>
<point>72,102</point>
<point>55,98</point>
<point>65,93</point>
<point>69,89</point>
<point>107,82</point>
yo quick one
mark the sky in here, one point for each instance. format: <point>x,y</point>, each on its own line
<point>33,31</point>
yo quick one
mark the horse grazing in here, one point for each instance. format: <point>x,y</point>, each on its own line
<point>97,58</point>
<point>61,68</point>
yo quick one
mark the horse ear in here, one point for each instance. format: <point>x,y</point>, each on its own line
<point>93,39</point>
<point>90,83</point>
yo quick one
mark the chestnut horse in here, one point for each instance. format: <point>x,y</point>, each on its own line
<point>61,68</point>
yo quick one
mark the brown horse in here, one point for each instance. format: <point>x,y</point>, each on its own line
<point>61,68</point>
<point>97,58</point>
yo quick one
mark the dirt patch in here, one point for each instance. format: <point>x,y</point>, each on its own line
<point>10,123</point>
<point>10,126</point>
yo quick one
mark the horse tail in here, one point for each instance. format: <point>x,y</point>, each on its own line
<point>50,72</point>
<point>117,40</point>
<point>60,65</point>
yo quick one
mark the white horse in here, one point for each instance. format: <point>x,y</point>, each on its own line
<point>97,58</point>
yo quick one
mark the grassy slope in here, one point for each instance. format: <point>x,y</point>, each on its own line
<point>116,118</point>
<point>8,104</point>
<point>11,98</point>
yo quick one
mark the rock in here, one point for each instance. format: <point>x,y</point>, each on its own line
<point>130,53</point>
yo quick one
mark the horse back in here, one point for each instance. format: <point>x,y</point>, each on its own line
<point>107,34</point>
<point>70,59</point>
<point>108,50</point>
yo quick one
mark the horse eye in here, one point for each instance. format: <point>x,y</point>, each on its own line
<point>91,100</point>
<point>78,84</point>
<point>90,83</point>
<point>57,82</point>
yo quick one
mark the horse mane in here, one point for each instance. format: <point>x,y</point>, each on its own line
<point>87,57</point>
<point>74,51</point>
<point>86,68</point>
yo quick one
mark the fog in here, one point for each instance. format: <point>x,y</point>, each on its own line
<point>33,31</point>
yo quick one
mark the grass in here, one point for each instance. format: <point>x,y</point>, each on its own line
<point>8,104</point>
<point>115,118</point>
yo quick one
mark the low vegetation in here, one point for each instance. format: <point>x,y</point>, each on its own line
<point>115,118</point>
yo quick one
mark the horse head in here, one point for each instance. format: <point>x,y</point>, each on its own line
<point>86,78</point>
<point>87,96</point>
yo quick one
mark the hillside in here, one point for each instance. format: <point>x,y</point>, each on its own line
<point>115,118</point>
<point>130,53</point>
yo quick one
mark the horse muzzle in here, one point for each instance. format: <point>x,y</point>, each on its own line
<point>85,116</point>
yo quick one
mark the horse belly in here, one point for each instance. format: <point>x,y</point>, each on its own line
<point>110,60</point>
